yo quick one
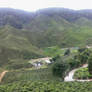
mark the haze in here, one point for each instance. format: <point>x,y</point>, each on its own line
<point>33,5</point>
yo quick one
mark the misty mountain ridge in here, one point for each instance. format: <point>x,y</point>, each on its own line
<point>28,33</point>
<point>46,21</point>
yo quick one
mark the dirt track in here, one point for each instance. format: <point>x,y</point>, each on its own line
<point>2,75</point>
<point>69,77</point>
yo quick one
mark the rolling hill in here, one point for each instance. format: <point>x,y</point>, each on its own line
<point>14,46</point>
<point>25,34</point>
<point>62,27</point>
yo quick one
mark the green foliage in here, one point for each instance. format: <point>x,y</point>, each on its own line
<point>54,59</point>
<point>24,34</point>
<point>12,57</point>
<point>48,27</point>
<point>73,63</point>
<point>67,52</point>
<point>90,64</point>
<point>83,56</point>
<point>80,50</point>
<point>82,73</point>
<point>59,68</point>
<point>21,65</point>
<point>60,31</point>
<point>47,86</point>
<point>14,45</point>
<point>53,51</point>
<point>27,75</point>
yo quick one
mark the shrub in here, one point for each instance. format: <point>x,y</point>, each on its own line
<point>67,52</point>
<point>74,63</point>
<point>60,68</point>
<point>90,64</point>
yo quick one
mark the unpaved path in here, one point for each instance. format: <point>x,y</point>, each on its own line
<point>40,59</point>
<point>2,75</point>
<point>70,76</point>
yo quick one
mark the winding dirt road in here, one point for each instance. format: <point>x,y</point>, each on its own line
<point>2,75</point>
<point>70,76</point>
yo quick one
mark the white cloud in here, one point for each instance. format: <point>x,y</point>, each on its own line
<point>32,5</point>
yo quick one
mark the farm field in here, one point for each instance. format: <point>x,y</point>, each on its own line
<point>27,75</point>
<point>46,86</point>
<point>33,74</point>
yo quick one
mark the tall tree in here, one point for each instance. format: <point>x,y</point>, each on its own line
<point>90,64</point>
<point>60,68</point>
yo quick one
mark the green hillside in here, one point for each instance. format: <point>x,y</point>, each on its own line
<point>15,46</point>
<point>47,27</point>
<point>52,31</point>
<point>24,35</point>
<point>38,49</point>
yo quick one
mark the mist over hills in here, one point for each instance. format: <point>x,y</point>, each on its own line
<point>18,18</point>
<point>50,26</point>
<point>26,32</point>
<point>63,27</point>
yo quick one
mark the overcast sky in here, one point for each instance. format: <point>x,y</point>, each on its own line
<point>33,5</point>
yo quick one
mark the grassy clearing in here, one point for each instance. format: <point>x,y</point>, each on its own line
<point>55,50</point>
